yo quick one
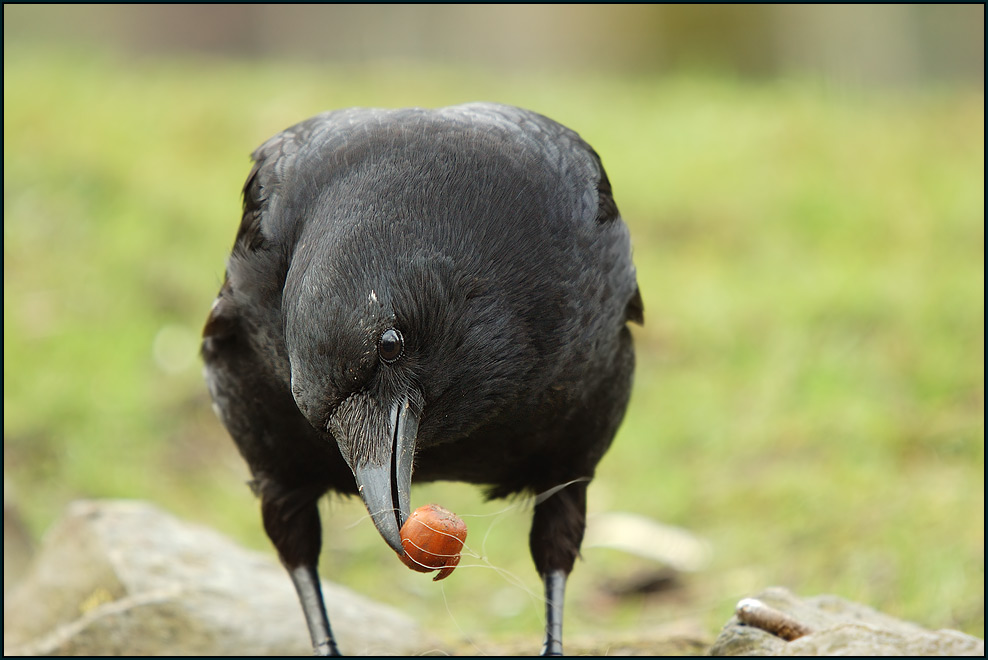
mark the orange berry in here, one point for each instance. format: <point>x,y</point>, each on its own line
<point>432,538</point>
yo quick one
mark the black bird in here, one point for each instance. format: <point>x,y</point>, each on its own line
<point>429,294</point>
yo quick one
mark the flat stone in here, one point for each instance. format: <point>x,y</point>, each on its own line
<point>126,578</point>
<point>836,627</point>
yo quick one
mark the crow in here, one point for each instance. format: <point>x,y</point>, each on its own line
<point>430,294</point>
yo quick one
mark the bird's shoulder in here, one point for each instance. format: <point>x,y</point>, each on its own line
<point>296,166</point>
<point>313,149</point>
<point>561,149</point>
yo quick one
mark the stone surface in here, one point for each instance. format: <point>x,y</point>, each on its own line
<point>840,627</point>
<point>125,578</point>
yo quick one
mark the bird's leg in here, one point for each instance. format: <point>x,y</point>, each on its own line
<point>306,581</point>
<point>555,589</point>
<point>292,522</point>
<point>557,531</point>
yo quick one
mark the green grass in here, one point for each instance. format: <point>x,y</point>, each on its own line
<point>810,385</point>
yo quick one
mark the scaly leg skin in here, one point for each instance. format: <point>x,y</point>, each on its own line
<point>555,588</point>
<point>310,596</point>
<point>291,519</point>
<point>555,537</point>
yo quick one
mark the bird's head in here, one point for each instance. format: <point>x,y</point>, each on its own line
<point>391,353</point>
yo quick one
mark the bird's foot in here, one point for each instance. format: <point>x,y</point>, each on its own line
<point>552,647</point>
<point>325,649</point>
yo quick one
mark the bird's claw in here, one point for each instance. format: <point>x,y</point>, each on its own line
<point>325,649</point>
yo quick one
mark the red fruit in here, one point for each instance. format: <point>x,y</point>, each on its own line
<point>432,538</point>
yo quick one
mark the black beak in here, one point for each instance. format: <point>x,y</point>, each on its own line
<point>382,467</point>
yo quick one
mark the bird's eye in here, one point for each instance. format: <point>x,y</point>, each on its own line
<point>391,345</point>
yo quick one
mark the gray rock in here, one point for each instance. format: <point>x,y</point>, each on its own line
<point>829,625</point>
<point>125,578</point>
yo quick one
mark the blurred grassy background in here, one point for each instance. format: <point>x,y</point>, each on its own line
<point>810,387</point>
